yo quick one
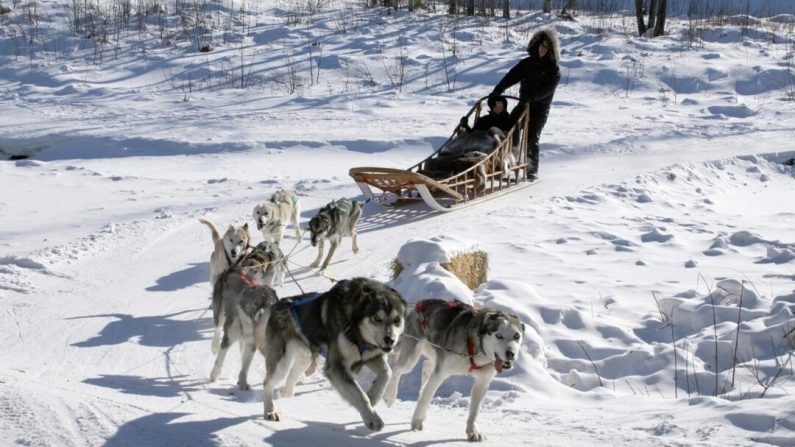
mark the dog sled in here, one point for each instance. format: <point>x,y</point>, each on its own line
<point>475,176</point>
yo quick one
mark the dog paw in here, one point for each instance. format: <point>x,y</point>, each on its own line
<point>374,422</point>
<point>416,424</point>
<point>243,386</point>
<point>389,400</point>
<point>214,375</point>
<point>272,416</point>
<point>320,272</point>
<point>475,437</point>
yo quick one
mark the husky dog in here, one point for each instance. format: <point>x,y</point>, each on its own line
<point>484,141</point>
<point>269,260</point>
<point>332,222</point>
<point>228,249</point>
<point>272,216</point>
<point>358,321</point>
<point>456,339</point>
<point>240,303</point>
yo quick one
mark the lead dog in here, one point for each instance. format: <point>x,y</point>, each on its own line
<point>358,321</point>
<point>273,216</point>
<point>227,250</point>
<point>456,339</point>
<point>241,302</point>
<point>334,221</point>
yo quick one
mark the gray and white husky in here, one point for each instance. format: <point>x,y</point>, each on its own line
<point>332,222</point>
<point>269,259</point>
<point>241,301</point>
<point>273,216</point>
<point>358,322</point>
<point>456,339</point>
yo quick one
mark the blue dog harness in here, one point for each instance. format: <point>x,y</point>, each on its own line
<point>294,305</point>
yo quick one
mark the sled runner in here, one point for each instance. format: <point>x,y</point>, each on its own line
<point>447,183</point>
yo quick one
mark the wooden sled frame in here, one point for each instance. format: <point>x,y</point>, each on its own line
<point>486,178</point>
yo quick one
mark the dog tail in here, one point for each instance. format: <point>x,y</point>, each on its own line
<point>215,234</point>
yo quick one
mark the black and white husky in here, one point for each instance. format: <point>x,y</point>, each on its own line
<point>358,322</point>
<point>334,221</point>
<point>241,301</point>
<point>273,216</point>
<point>456,339</point>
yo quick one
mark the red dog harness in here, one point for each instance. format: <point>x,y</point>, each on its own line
<point>471,349</point>
<point>247,279</point>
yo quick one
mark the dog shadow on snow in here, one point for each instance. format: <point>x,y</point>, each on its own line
<point>173,386</point>
<point>162,331</point>
<point>326,433</point>
<point>182,279</point>
<point>165,429</point>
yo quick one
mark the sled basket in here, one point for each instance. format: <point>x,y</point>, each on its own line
<point>476,177</point>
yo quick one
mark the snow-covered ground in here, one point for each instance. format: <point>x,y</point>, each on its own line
<point>656,251</point>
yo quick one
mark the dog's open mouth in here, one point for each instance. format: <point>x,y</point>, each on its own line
<point>386,348</point>
<point>500,364</point>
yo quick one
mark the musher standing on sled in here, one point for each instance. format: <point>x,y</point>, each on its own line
<point>538,76</point>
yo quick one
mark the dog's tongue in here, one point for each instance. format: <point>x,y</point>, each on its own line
<point>497,363</point>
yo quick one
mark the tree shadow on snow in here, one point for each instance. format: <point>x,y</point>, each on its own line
<point>158,429</point>
<point>182,279</point>
<point>158,331</point>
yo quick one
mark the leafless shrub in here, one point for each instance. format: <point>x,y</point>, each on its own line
<point>770,380</point>
<point>194,21</point>
<point>361,71</point>
<point>396,71</point>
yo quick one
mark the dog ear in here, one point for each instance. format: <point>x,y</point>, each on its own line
<point>245,226</point>
<point>397,294</point>
<point>488,326</point>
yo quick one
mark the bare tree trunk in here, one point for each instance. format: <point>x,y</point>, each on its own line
<point>506,9</point>
<point>547,6</point>
<point>453,9</point>
<point>659,27</point>
<point>639,15</point>
<point>652,13</point>
<point>470,7</point>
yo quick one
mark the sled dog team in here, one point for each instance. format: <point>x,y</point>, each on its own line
<point>359,322</point>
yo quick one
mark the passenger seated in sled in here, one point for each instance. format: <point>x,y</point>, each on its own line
<point>473,143</point>
<point>498,116</point>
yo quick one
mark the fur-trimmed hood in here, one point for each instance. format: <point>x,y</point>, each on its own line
<point>550,35</point>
